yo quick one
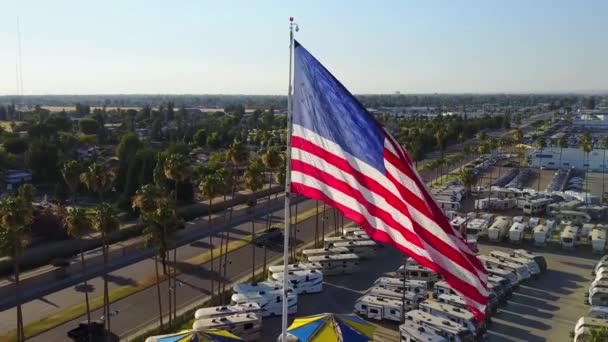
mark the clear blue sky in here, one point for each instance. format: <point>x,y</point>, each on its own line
<point>240,47</point>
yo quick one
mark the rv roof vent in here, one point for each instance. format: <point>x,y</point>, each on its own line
<point>222,308</point>
<point>421,329</point>
<point>290,272</point>
<point>445,323</point>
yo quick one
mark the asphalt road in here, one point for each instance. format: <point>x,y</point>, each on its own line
<point>545,309</point>
<point>140,309</point>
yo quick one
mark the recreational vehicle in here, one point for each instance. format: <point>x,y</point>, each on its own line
<point>507,274</point>
<point>305,266</point>
<point>600,312</point>
<point>363,248</point>
<point>523,273</point>
<point>219,311</point>
<point>412,332</point>
<point>380,308</point>
<point>325,251</point>
<point>459,223</point>
<point>584,325</point>
<point>458,315</point>
<point>516,233</point>
<point>303,282</point>
<point>598,240</point>
<point>539,259</point>
<point>442,287</point>
<point>531,264</point>
<point>568,237</point>
<point>336,264</point>
<point>551,224</point>
<point>586,230</point>
<point>576,217</point>
<point>248,326</point>
<point>503,283</point>
<point>411,299</point>
<point>418,287</point>
<point>533,222</point>
<point>541,234</point>
<point>271,302</point>
<point>419,273</point>
<point>475,227</point>
<point>598,296</point>
<point>498,230</point>
<point>330,241</point>
<point>253,287</point>
<point>444,327</point>
<point>354,231</point>
<point>455,300</point>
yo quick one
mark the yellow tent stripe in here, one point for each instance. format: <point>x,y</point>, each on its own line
<point>299,322</point>
<point>222,333</point>
<point>326,334</point>
<point>365,329</point>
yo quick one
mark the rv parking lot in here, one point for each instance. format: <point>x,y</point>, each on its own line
<point>545,309</point>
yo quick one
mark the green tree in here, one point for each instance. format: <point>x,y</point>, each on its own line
<point>605,167</point>
<point>71,175</point>
<point>467,178</point>
<point>77,223</point>
<point>518,135</point>
<point>42,157</point>
<point>125,151</point>
<point>214,140</point>
<point>254,182</point>
<point>177,169</point>
<point>16,214</point>
<point>105,222</point>
<point>200,138</point>
<point>587,147</point>
<point>598,335</point>
<point>88,126</point>
<point>15,145</point>
<point>98,179</point>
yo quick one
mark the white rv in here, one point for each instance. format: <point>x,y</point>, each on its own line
<point>539,259</point>
<point>303,282</point>
<point>551,224</point>
<point>531,264</point>
<point>411,299</point>
<point>541,234</point>
<point>380,308</point>
<point>363,248</point>
<point>271,302</point>
<point>584,325</point>
<point>419,273</point>
<point>568,237</point>
<point>573,216</point>
<point>516,233</point>
<point>586,230</point>
<point>476,227</point>
<point>305,266</point>
<point>336,264</point>
<point>451,330</point>
<point>330,241</point>
<point>416,286</point>
<point>508,274</point>
<point>533,222</point>
<point>499,229</point>
<point>354,231</point>
<point>219,311</point>
<point>522,271</point>
<point>442,287</point>
<point>412,332</point>
<point>598,240</point>
<point>454,314</point>
<point>455,300</point>
<point>248,326</point>
<point>459,223</point>
<point>600,312</point>
<point>256,287</point>
<point>325,251</point>
<point>598,296</point>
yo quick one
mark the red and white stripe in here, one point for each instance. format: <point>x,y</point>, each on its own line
<point>394,208</point>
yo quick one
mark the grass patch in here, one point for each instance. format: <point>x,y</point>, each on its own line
<point>116,294</point>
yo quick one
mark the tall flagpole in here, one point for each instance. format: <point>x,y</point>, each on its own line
<point>287,185</point>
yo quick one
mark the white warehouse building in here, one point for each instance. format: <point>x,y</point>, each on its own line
<point>549,158</point>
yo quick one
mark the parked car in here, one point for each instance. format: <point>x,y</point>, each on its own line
<point>81,333</point>
<point>273,235</point>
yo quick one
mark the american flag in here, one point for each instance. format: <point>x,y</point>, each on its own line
<point>342,156</point>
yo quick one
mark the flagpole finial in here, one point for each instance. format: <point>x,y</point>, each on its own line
<point>291,19</point>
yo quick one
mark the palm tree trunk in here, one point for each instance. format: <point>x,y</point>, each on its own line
<point>160,303</point>
<point>210,246</point>
<point>268,203</point>
<point>225,262</point>
<point>604,174</point>
<point>106,297</point>
<point>175,284</point>
<point>168,275</point>
<point>539,171</point>
<point>253,247</point>
<point>86,286</point>
<point>20,332</point>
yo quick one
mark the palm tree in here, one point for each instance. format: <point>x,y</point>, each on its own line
<point>105,222</point>
<point>253,182</point>
<point>598,334</point>
<point>77,223</point>
<point>71,175</point>
<point>146,200</point>
<point>210,188</point>
<point>177,169</point>
<point>481,136</point>
<point>16,214</point>
<point>237,154</point>
<point>271,160</point>
<point>587,147</point>
<point>518,135</point>
<point>467,178</point>
<point>605,147</point>
<point>561,143</point>
<point>440,136</point>
<point>540,143</point>
<point>98,179</point>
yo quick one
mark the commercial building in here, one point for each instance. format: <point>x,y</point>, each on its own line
<point>549,158</point>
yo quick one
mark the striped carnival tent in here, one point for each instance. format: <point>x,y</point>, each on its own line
<point>329,327</point>
<point>195,336</point>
